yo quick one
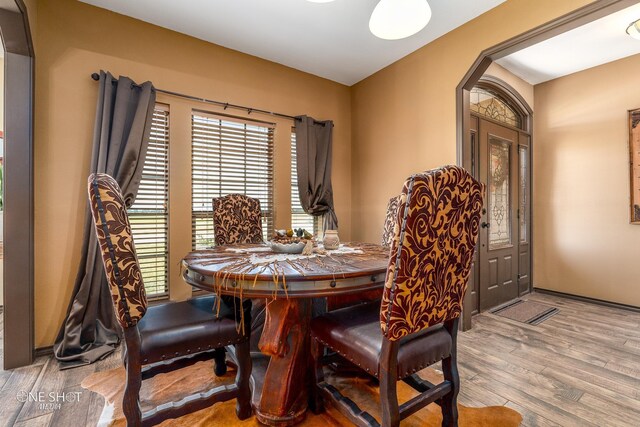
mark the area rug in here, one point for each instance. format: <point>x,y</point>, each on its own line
<point>529,312</point>
<point>174,385</point>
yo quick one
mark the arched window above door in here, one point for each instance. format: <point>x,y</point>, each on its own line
<point>489,102</point>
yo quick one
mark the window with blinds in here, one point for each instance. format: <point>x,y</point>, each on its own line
<point>229,155</point>
<point>299,218</point>
<point>149,214</point>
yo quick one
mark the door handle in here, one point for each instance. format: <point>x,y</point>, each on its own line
<point>485,225</point>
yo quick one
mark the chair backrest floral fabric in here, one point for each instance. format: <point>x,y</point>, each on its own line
<point>237,220</point>
<point>390,221</point>
<point>118,251</point>
<point>431,251</point>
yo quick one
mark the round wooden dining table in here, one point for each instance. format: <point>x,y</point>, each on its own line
<point>289,283</point>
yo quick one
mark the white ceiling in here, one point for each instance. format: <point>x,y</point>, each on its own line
<point>331,40</point>
<point>593,44</point>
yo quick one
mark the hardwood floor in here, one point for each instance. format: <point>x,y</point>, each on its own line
<point>581,367</point>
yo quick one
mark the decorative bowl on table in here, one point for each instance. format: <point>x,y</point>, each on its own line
<point>288,248</point>
<point>290,241</point>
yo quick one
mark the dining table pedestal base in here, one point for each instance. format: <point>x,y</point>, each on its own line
<point>281,374</point>
<point>285,385</point>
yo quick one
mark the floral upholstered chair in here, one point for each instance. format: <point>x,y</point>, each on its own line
<point>237,219</point>
<point>390,221</point>
<point>177,334</point>
<point>417,322</point>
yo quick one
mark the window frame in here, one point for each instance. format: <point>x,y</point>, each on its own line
<point>202,146</point>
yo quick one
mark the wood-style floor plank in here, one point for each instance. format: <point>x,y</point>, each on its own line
<point>471,395</point>
<point>633,343</point>
<point>530,418</point>
<point>539,406</point>
<point>539,386</point>
<point>96,405</point>
<point>50,380</point>
<point>15,392</point>
<point>607,393</point>
<point>41,421</point>
<point>581,367</point>
<point>75,413</point>
<point>508,330</point>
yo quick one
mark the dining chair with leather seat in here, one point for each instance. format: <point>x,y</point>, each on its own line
<point>237,220</point>
<point>390,221</point>
<point>164,337</point>
<point>416,323</point>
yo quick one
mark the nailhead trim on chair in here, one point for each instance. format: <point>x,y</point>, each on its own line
<point>420,368</point>
<point>198,350</point>
<point>375,374</point>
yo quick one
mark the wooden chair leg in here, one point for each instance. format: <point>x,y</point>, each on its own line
<point>131,399</point>
<point>389,384</point>
<point>449,402</point>
<point>219,356</point>
<point>243,376</point>
<point>389,400</point>
<point>315,399</point>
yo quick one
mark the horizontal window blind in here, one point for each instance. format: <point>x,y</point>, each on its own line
<point>229,155</point>
<point>299,218</point>
<point>149,214</point>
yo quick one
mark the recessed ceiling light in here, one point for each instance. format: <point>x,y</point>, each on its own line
<point>634,29</point>
<point>398,19</point>
<point>320,1</point>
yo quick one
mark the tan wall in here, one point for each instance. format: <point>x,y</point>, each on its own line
<point>404,116</point>
<point>75,40</point>
<point>584,244</point>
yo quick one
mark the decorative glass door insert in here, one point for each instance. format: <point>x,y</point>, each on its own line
<point>499,206</point>
<point>488,103</point>
<point>523,217</point>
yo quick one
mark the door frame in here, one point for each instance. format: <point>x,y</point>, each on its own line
<point>524,110</point>
<point>486,130</point>
<point>567,22</point>
<point>18,184</point>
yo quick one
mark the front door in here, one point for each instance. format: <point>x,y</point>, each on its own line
<point>499,156</point>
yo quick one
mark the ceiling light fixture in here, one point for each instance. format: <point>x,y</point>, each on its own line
<point>634,29</point>
<point>398,19</point>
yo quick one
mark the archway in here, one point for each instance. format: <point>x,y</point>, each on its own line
<point>586,14</point>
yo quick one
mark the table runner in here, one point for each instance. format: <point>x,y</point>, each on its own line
<point>264,255</point>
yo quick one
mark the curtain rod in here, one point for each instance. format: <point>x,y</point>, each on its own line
<point>249,110</point>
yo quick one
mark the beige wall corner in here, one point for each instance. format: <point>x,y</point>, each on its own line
<point>584,243</point>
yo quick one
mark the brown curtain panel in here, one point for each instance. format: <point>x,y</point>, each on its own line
<point>314,142</point>
<point>120,140</point>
